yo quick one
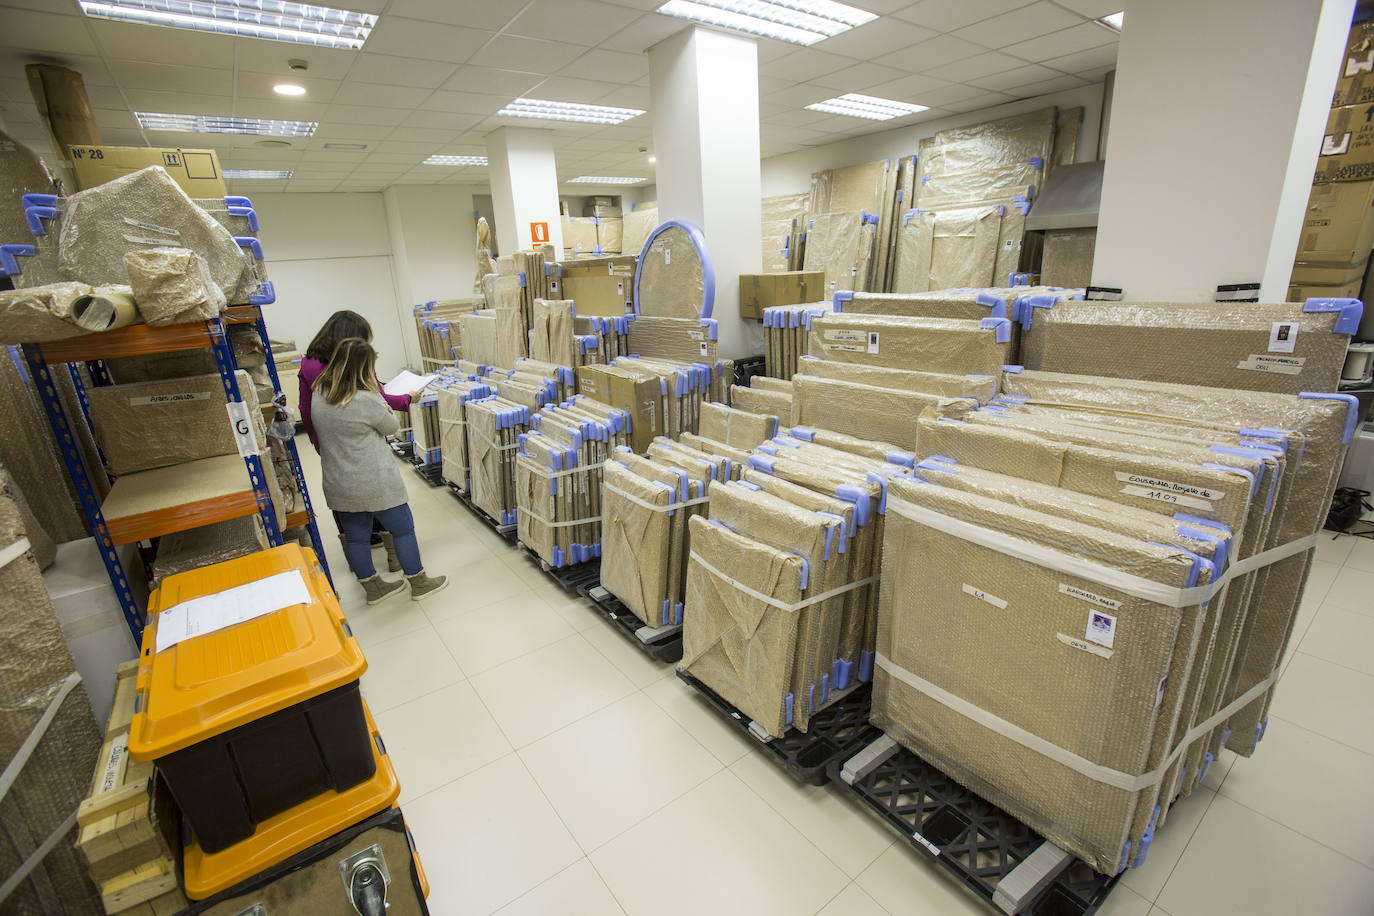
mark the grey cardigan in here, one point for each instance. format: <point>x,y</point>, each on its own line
<point>359,470</point>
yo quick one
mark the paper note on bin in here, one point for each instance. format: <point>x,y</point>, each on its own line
<point>210,613</point>
<point>408,381</point>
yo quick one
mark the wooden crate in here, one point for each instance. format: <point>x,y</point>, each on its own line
<point>128,820</point>
<point>153,880</point>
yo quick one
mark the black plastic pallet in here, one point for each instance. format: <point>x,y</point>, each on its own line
<point>978,842</point>
<point>834,734</point>
<point>431,474</point>
<point>664,646</point>
<point>405,450</point>
<point>506,531</point>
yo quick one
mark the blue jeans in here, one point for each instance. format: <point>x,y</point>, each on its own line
<point>357,532</point>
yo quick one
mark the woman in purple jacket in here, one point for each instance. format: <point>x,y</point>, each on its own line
<point>342,325</point>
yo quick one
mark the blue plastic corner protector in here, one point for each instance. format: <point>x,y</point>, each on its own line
<point>1352,415</point>
<point>9,266</point>
<point>1001,327</point>
<point>1350,311</point>
<point>996,304</point>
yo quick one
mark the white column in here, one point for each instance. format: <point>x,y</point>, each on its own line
<point>1217,120</point>
<point>704,101</point>
<point>524,186</point>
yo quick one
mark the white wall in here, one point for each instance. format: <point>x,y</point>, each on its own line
<point>790,173</point>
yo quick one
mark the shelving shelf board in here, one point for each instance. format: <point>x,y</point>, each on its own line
<point>149,504</point>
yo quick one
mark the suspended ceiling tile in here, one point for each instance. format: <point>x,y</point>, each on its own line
<point>531,55</point>
<point>374,94</point>
<point>464,102</point>
<point>271,56</point>
<point>363,133</point>
<point>441,120</point>
<point>422,135</point>
<point>108,119</point>
<point>913,89</point>
<point>955,92</point>
<point>129,41</point>
<point>578,21</point>
<point>948,15</point>
<point>490,15</point>
<point>943,49</point>
<point>332,156</point>
<point>627,97</point>
<point>250,85</point>
<point>202,80</point>
<point>416,151</point>
<point>873,39</point>
<point>1057,84</point>
<point>614,66</point>
<point>1094,9</point>
<point>280,109</point>
<point>644,33</point>
<point>805,64</point>
<point>570,89</point>
<point>985,64</point>
<point>400,71</point>
<point>858,77</point>
<point>428,40</point>
<point>1013,80</point>
<point>361,114</point>
<point>493,81</point>
<point>800,95</point>
<point>1019,24</point>
<point>17,90</point>
<point>1104,56</point>
<point>1081,37</point>
<point>179,102</point>
<point>34,31</point>
<point>979,102</point>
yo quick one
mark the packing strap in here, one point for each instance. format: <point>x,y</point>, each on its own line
<point>568,524</point>
<point>37,856</point>
<point>447,422</point>
<point>648,505</point>
<point>1137,586</point>
<point>769,599</point>
<point>494,445</point>
<point>1094,771</point>
<point>7,556</point>
<point>548,473</point>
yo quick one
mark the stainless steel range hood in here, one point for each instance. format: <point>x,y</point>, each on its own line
<point>1070,198</point>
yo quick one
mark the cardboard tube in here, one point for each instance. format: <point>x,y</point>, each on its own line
<point>105,309</point>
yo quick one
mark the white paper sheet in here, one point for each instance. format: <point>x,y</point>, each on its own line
<point>209,613</point>
<point>408,381</point>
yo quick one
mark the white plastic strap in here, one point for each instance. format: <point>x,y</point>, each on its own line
<point>648,505</point>
<point>568,524</point>
<point>496,446</point>
<point>447,422</point>
<point>1094,771</point>
<point>40,728</point>
<point>14,552</point>
<point>769,599</point>
<point>38,855</point>
<point>548,473</point>
<point>1138,586</point>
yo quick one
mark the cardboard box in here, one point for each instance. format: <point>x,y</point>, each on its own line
<point>609,233</point>
<point>196,170</point>
<point>1347,152</point>
<point>1355,83</point>
<point>620,265</point>
<point>1338,224</point>
<point>579,234</point>
<point>639,393</point>
<point>602,212</point>
<point>600,295</point>
<point>793,287</point>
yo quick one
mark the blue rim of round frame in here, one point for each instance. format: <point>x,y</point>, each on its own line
<point>708,273</point>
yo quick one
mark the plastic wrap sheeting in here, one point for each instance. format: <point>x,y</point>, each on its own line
<point>478,338</point>
<point>855,187</point>
<point>34,663</point>
<point>635,554</point>
<point>494,425</point>
<point>40,313</point>
<point>672,277</point>
<point>552,340</point>
<point>682,339</point>
<point>991,161</point>
<point>865,411</point>
<point>981,388</point>
<point>736,428</point>
<point>1275,347</point>
<point>1068,257</point>
<point>172,286</point>
<point>781,217</point>
<point>841,245</point>
<point>923,344</point>
<point>206,545</point>
<point>610,233</point>
<point>635,228</point>
<point>936,597</point>
<point>134,212</point>
<point>156,424</point>
<point>767,403</point>
<point>21,172</point>
<point>1068,124</point>
<point>453,436</point>
<point>953,248</point>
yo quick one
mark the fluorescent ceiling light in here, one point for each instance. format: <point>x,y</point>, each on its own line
<point>567,111</point>
<point>802,22</point>
<point>288,89</point>
<point>603,179</point>
<point>257,173</point>
<point>275,20</point>
<point>1114,21</point>
<point>455,160</point>
<point>212,124</point>
<point>866,106</point>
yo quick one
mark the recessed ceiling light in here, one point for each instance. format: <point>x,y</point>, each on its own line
<point>603,179</point>
<point>214,124</point>
<point>1114,22</point>
<point>568,111</point>
<point>288,89</point>
<point>345,146</point>
<point>455,160</point>
<point>866,106</point>
<point>272,144</point>
<point>653,159</point>
<point>802,22</point>
<point>257,173</point>
<point>276,20</point>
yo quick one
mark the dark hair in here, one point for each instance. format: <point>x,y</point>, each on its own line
<point>352,368</point>
<point>340,326</point>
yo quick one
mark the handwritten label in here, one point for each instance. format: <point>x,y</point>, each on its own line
<point>1285,365</point>
<point>983,596</point>
<point>169,398</point>
<point>114,764</point>
<point>1084,646</point>
<point>1074,591</point>
<point>1166,496</point>
<point>243,428</point>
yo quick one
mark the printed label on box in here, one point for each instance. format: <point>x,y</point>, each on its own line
<point>1074,591</point>
<point>845,335</point>
<point>1283,337</point>
<point>872,341</point>
<point>169,398</point>
<point>1101,629</point>
<point>984,596</point>
<point>1287,365</point>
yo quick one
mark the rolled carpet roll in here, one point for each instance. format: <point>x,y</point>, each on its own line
<point>105,308</point>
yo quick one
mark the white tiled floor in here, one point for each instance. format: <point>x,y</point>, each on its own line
<point>548,767</point>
